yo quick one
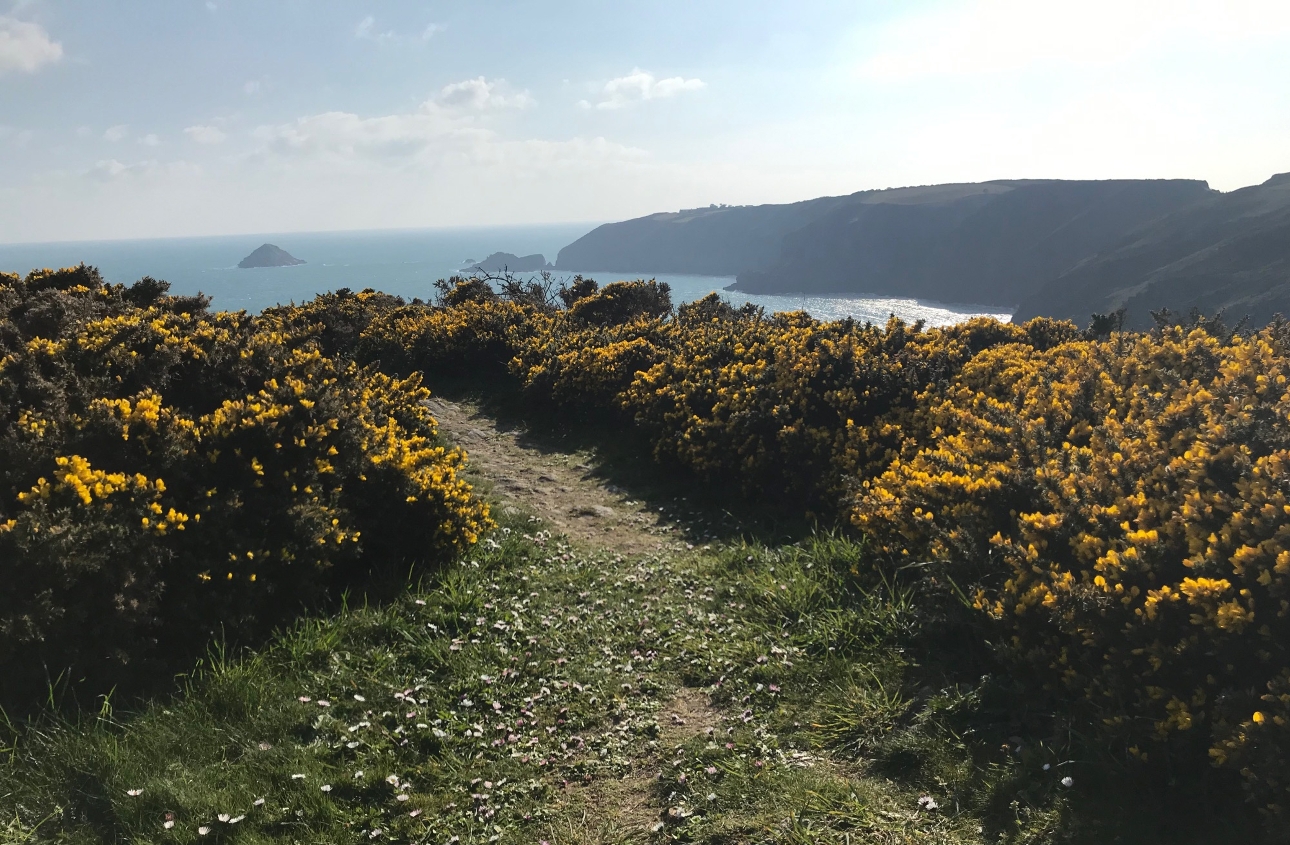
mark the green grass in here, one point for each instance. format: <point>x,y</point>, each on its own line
<point>527,694</point>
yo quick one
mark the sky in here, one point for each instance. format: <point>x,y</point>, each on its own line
<point>160,118</point>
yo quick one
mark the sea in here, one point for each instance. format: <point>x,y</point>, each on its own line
<point>406,263</point>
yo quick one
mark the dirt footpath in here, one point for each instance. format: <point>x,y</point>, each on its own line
<point>561,487</point>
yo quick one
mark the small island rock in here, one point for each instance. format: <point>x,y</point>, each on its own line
<point>269,256</point>
<point>500,262</point>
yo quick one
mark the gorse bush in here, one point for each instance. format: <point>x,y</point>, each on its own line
<point>1113,507</point>
<point>168,475</point>
<point>1124,506</point>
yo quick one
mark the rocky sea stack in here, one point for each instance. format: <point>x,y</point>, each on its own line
<point>502,262</point>
<point>269,256</point>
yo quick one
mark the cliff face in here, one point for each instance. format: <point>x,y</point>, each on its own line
<point>995,245</point>
<point>703,241</point>
<point>984,243</point>
<point>1230,252</point>
<point>1045,247</point>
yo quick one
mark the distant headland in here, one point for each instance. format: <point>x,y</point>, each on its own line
<point>1037,247</point>
<point>500,262</point>
<point>269,256</point>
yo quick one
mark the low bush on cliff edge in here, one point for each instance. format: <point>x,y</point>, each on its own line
<point>168,475</point>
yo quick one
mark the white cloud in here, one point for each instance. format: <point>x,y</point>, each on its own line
<point>252,87</point>
<point>640,85</point>
<point>116,133</point>
<point>16,137</point>
<point>442,131</point>
<point>150,140</point>
<point>344,137</point>
<point>109,170</point>
<point>998,36</point>
<point>366,30</point>
<point>211,6</point>
<point>479,93</point>
<point>205,134</point>
<point>25,46</point>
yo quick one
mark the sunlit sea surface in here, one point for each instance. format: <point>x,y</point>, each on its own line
<point>405,263</point>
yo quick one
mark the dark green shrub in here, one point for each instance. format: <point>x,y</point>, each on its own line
<point>169,475</point>
<point>622,302</point>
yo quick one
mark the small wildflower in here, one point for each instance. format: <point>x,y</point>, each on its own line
<point>203,830</point>
<point>224,817</point>
<point>359,698</point>
<point>297,777</point>
<point>326,787</point>
<point>927,802</point>
<point>168,824</point>
<point>259,802</point>
<point>134,793</point>
<point>1068,781</point>
<point>401,797</point>
<point>304,699</point>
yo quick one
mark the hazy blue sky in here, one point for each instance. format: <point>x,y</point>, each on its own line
<point>140,118</point>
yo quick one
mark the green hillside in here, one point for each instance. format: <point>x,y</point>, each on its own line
<point>1230,253</point>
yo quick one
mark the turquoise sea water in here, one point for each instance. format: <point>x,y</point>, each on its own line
<point>402,262</point>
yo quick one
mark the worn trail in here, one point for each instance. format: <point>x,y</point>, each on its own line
<point>561,487</point>
<point>707,749</point>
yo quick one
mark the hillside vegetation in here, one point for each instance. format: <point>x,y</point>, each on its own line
<point>1229,253</point>
<point>1065,563</point>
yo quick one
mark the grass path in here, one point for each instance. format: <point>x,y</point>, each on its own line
<point>593,673</point>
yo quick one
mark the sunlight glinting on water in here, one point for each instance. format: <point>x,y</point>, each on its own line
<point>873,309</point>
